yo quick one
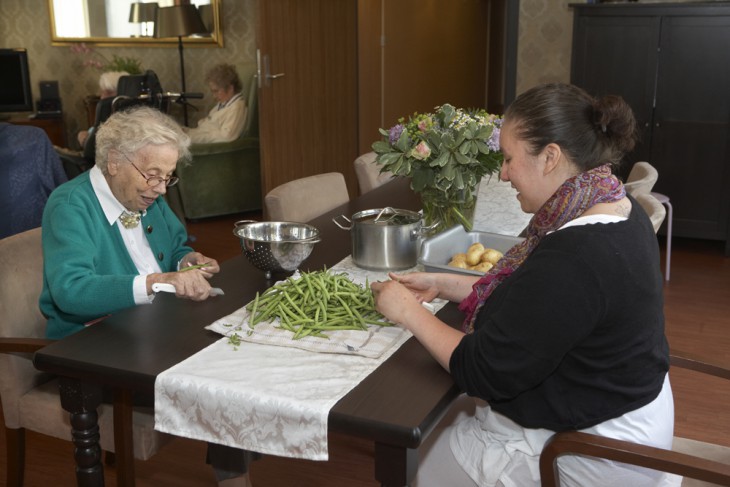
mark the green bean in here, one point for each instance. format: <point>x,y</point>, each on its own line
<point>314,303</point>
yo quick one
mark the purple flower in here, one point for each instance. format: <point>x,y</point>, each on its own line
<point>395,132</point>
<point>493,142</point>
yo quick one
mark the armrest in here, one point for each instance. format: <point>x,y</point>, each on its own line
<point>573,442</point>
<point>221,147</point>
<point>694,362</point>
<point>23,345</point>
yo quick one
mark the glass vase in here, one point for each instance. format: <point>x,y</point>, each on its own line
<point>443,210</point>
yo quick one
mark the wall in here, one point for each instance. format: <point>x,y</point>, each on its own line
<point>25,23</point>
<point>543,46</point>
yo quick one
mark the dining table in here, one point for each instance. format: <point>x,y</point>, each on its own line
<point>396,406</point>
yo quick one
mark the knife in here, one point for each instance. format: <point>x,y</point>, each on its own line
<point>162,287</point>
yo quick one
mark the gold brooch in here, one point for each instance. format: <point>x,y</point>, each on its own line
<point>130,219</point>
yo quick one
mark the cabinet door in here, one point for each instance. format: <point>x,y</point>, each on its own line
<point>617,55</point>
<point>692,124</point>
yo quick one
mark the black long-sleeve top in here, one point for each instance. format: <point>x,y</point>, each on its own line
<point>575,336</point>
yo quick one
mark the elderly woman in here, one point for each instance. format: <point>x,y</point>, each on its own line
<point>566,332</point>
<point>108,236</point>
<point>108,82</point>
<point>225,120</point>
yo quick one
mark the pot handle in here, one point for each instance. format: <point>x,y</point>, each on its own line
<point>425,229</point>
<point>334,220</point>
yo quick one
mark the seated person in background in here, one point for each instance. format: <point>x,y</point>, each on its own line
<point>226,119</point>
<point>566,331</point>
<point>29,170</point>
<point>107,91</point>
<point>108,236</point>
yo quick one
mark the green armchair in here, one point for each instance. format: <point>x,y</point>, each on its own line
<point>223,178</point>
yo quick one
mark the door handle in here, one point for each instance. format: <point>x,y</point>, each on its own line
<point>267,72</point>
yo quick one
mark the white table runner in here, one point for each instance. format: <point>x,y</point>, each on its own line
<point>270,399</point>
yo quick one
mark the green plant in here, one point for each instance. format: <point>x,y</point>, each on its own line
<point>94,59</point>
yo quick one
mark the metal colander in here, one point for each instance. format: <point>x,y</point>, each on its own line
<point>276,246</point>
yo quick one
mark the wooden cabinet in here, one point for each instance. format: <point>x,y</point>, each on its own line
<point>54,127</point>
<point>671,63</point>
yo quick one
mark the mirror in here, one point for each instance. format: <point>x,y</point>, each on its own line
<point>107,23</point>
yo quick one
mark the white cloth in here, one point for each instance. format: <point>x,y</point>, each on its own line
<point>496,451</point>
<point>134,238</point>
<point>270,399</point>
<point>224,123</point>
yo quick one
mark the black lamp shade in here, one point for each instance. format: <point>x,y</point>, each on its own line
<point>143,12</point>
<point>180,20</point>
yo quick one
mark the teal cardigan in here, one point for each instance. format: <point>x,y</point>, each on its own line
<point>87,271</point>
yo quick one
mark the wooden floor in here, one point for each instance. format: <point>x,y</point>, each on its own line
<point>698,320</point>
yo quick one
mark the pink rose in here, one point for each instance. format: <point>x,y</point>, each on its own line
<point>425,124</point>
<point>421,152</point>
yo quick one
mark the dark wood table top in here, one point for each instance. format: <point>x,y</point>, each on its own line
<point>398,404</point>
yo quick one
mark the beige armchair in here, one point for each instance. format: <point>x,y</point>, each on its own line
<point>653,208</point>
<point>368,173</point>
<point>30,399</point>
<point>641,179</point>
<point>306,198</point>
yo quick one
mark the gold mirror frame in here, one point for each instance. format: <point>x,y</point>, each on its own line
<point>216,37</point>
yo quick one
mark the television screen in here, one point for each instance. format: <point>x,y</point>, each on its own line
<point>15,94</point>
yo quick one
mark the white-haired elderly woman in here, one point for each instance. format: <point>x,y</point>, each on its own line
<point>226,119</point>
<point>108,236</point>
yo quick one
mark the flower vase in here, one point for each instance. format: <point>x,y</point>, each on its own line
<point>443,210</point>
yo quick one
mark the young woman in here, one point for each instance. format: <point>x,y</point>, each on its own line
<point>566,332</point>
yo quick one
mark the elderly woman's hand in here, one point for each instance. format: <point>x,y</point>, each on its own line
<point>197,261</point>
<point>190,284</point>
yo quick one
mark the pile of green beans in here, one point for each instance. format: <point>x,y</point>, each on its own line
<point>314,303</point>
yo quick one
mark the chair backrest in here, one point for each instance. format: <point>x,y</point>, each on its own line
<point>368,173</point>
<point>21,281</point>
<point>653,208</point>
<point>251,127</point>
<point>304,199</point>
<point>641,179</point>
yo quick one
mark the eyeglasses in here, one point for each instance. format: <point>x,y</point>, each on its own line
<point>155,180</point>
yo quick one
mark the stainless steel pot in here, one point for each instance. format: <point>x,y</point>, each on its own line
<point>384,238</point>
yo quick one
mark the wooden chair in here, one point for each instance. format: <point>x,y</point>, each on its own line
<point>306,198</point>
<point>694,460</point>
<point>30,398</point>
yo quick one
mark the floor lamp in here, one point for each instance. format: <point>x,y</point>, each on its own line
<point>179,21</point>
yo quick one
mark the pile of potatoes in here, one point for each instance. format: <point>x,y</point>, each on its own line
<point>476,258</point>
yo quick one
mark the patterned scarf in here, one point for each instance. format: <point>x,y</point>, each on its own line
<point>572,198</point>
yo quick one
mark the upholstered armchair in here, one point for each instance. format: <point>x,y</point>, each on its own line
<point>223,178</point>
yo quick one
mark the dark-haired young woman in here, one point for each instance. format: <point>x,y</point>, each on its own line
<point>566,332</point>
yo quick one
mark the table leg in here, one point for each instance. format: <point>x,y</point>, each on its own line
<point>395,466</point>
<point>123,440</point>
<point>82,400</point>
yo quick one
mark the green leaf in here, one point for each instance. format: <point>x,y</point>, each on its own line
<point>402,144</point>
<point>381,147</point>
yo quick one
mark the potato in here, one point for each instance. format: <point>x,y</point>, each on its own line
<point>474,254</point>
<point>459,257</point>
<point>458,263</point>
<point>483,266</point>
<point>475,246</point>
<point>491,255</point>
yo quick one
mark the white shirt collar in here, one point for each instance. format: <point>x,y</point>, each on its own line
<point>109,204</point>
<point>235,97</point>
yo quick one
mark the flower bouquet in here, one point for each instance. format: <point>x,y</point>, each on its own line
<point>446,154</point>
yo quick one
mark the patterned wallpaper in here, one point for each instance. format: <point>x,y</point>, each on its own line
<point>543,46</point>
<point>25,23</point>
